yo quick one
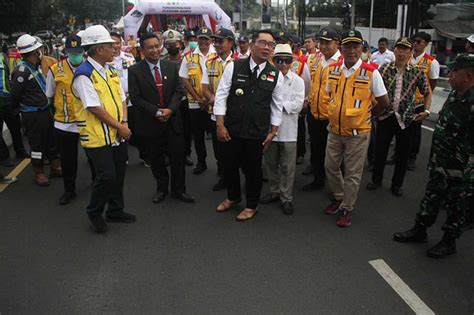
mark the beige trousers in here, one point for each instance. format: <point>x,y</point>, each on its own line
<point>280,164</point>
<point>353,151</point>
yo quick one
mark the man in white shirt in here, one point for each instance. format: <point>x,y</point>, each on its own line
<point>383,55</point>
<point>191,72</point>
<point>244,51</point>
<point>248,109</point>
<point>280,157</point>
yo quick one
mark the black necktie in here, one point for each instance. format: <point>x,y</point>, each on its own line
<point>254,73</point>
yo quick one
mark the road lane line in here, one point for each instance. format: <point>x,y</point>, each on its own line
<point>402,289</point>
<point>15,172</point>
<point>427,128</point>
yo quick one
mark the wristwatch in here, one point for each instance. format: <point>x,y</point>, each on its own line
<point>427,111</point>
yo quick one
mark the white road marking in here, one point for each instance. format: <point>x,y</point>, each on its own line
<point>402,289</point>
<point>427,128</point>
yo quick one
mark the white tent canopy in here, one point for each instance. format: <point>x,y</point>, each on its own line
<point>213,16</point>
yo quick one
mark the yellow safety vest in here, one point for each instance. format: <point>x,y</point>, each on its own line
<point>92,132</point>
<point>214,72</point>
<point>63,97</point>
<point>311,61</point>
<point>424,64</point>
<point>349,108</point>
<point>194,62</point>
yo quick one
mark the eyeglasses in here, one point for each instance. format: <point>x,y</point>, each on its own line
<point>280,61</point>
<point>263,43</point>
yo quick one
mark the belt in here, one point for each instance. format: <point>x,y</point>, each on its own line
<point>32,109</point>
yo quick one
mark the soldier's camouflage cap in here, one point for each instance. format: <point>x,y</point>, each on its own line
<point>461,61</point>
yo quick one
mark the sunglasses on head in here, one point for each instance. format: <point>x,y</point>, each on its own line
<point>280,61</point>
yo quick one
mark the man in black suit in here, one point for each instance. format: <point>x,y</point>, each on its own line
<point>156,91</point>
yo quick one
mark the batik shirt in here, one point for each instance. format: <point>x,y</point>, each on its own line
<point>401,89</point>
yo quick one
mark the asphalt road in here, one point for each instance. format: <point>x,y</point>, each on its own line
<point>188,259</point>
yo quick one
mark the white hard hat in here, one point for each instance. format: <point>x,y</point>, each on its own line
<point>27,43</point>
<point>80,33</point>
<point>96,34</point>
<point>471,39</point>
<point>283,50</point>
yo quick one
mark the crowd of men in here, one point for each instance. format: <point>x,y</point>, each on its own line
<point>257,102</point>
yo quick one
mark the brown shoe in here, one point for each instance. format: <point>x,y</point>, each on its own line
<point>226,205</point>
<point>56,170</point>
<point>39,177</point>
<point>246,214</point>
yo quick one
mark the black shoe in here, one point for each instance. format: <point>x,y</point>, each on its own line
<point>98,224</point>
<point>300,160</point>
<point>269,198</point>
<point>397,191</point>
<point>446,247</point>
<point>308,171</point>
<point>287,207</point>
<point>373,186</point>
<point>265,179</point>
<point>411,164</point>
<point>146,163</point>
<point>468,224</point>
<point>22,155</point>
<point>7,163</point>
<point>314,185</point>
<point>415,235</point>
<point>199,169</point>
<point>159,197</point>
<point>220,185</point>
<point>67,197</point>
<point>183,197</point>
<point>188,161</point>
<point>122,217</point>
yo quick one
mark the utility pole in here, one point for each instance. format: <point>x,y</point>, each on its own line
<point>353,13</point>
<point>371,20</point>
<point>241,11</point>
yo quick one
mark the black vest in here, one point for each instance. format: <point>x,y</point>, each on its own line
<point>248,104</point>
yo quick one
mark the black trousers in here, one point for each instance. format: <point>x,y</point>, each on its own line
<point>184,108</point>
<point>41,136</point>
<point>199,124</point>
<point>415,148</point>
<point>386,129</point>
<point>301,140</point>
<point>245,153</point>
<point>13,123</point>
<point>110,164</point>
<point>172,144</point>
<point>373,137</point>
<point>217,147</point>
<point>136,140</point>
<point>318,132</point>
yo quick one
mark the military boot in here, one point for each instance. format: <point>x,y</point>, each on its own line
<point>56,170</point>
<point>39,177</point>
<point>417,234</point>
<point>446,247</point>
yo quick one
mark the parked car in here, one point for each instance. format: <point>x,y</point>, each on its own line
<point>45,34</point>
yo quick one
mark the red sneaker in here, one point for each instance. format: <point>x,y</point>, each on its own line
<point>345,219</point>
<point>333,208</point>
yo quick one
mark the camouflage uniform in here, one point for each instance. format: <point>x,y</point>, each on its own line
<point>451,165</point>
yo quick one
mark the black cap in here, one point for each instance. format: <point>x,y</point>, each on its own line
<point>73,44</point>
<point>328,33</point>
<point>353,36</point>
<point>404,41</point>
<point>204,32</point>
<point>461,61</point>
<point>224,33</point>
<point>282,35</point>
<point>188,34</point>
<point>243,39</point>
<point>296,40</point>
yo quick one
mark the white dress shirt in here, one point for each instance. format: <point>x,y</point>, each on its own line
<point>382,58</point>
<point>334,58</point>
<point>377,87</point>
<point>50,91</point>
<point>293,98</point>
<point>121,63</point>
<point>306,76</point>
<point>183,69</point>
<point>220,101</point>
<point>434,68</point>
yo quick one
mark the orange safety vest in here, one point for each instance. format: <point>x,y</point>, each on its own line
<point>424,64</point>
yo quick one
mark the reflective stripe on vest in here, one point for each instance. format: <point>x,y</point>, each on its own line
<point>4,89</point>
<point>195,73</point>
